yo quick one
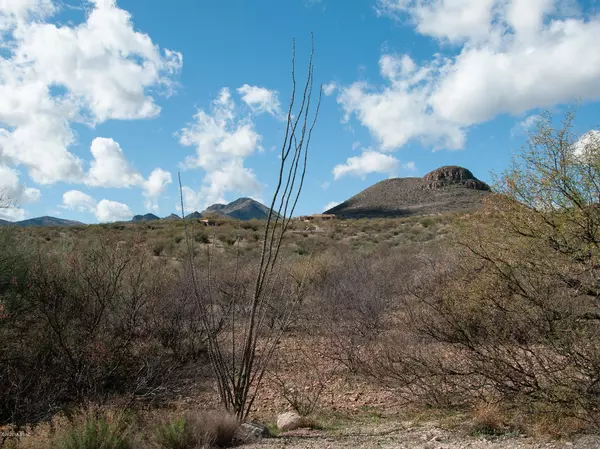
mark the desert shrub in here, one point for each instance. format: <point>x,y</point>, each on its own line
<point>426,222</point>
<point>352,301</point>
<point>200,236</point>
<point>175,435</point>
<point>302,389</point>
<point>14,259</point>
<point>199,430</point>
<point>83,327</point>
<point>96,432</point>
<point>158,247</point>
<point>511,311</point>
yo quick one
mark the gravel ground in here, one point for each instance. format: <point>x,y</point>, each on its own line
<point>406,436</point>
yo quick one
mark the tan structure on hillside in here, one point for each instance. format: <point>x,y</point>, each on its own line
<point>211,222</point>
<point>314,217</point>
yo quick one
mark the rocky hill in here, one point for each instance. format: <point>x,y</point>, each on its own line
<point>446,189</point>
<point>240,209</point>
<point>146,217</point>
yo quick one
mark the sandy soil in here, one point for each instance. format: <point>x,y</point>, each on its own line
<point>411,436</point>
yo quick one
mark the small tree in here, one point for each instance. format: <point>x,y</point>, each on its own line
<point>256,316</point>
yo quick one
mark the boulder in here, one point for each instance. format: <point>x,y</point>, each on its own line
<point>453,175</point>
<point>290,421</point>
<point>250,432</point>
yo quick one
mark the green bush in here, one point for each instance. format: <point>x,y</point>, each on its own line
<point>96,433</point>
<point>175,435</point>
<point>194,431</point>
<point>201,237</point>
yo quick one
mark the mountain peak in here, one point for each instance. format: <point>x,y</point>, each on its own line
<point>145,217</point>
<point>445,189</point>
<point>453,175</point>
<point>240,209</point>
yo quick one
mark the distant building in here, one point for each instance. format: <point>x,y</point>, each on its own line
<point>315,217</point>
<point>211,222</point>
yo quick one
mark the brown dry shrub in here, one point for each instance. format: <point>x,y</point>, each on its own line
<point>192,430</point>
<point>488,419</point>
<point>302,374</point>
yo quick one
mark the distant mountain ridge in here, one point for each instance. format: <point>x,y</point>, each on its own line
<point>446,189</point>
<point>146,217</point>
<point>240,209</point>
<point>42,221</point>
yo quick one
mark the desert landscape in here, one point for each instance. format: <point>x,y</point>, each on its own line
<point>304,224</point>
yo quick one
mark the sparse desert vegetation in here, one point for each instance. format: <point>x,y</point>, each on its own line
<point>135,335</point>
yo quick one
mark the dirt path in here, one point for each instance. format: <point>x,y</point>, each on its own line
<point>407,436</point>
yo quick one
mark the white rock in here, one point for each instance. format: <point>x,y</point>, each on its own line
<point>290,421</point>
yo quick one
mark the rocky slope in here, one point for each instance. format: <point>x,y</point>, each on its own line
<point>446,189</point>
<point>240,209</point>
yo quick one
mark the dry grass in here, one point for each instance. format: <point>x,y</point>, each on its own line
<point>107,428</point>
<point>488,419</point>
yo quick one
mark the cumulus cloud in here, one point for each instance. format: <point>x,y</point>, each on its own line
<point>512,56</point>
<point>52,76</point>
<point>330,88</point>
<point>109,211</point>
<point>451,19</point>
<point>105,210</point>
<point>587,147</point>
<point>331,205</point>
<point>222,140</point>
<point>15,12</point>
<point>154,186</point>
<point>15,194</point>
<point>110,168</point>
<point>79,201</point>
<point>368,162</point>
<point>261,100</point>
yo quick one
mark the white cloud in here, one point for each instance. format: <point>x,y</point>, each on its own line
<point>11,188</point>
<point>400,112</point>
<point>587,147</point>
<point>411,166</point>
<point>105,210</point>
<point>452,19</point>
<point>526,125</point>
<point>330,88</point>
<point>12,214</point>
<point>15,193</point>
<point>331,205</point>
<point>366,163</point>
<point>110,167</point>
<point>222,141</point>
<point>54,75</point>
<point>154,186</point>
<point>514,56</point>
<point>109,211</point>
<point>530,122</point>
<point>261,100</point>
<point>15,12</point>
<point>79,201</point>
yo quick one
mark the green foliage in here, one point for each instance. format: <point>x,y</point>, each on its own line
<point>96,433</point>
<point>175,435</point>
<point>426,222</point>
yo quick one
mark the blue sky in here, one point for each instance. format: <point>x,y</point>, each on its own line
<point>103,102</point>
